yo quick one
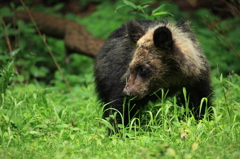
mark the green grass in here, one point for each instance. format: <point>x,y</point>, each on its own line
<point>39,121</point>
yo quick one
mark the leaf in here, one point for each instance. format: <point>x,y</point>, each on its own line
<point>43,126</point>
<point>219,117</point>
<point>129,4</point>
<point>14,52</point>
<point>233,85</point>
<point>194,146</point>
<point>161,13</point>
<point>124,5</point>
<point>34,132</point>
<point>183,136</point>
<point>221,78</point>
<point>138,7</point>
<point>145,6</point>
<point>158,8</point>
<point>62,126</point>
<point>171,152</point>
<point>72,136</point>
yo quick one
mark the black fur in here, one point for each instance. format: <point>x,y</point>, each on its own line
<point>113,59</point>
<point>135,31</point>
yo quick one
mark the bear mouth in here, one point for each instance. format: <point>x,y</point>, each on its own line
<point>134,95</point>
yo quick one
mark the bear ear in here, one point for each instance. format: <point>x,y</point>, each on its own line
<point>162,38</point>
<point>135,30</point>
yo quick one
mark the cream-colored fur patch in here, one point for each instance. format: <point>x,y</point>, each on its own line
<point>181,39</point>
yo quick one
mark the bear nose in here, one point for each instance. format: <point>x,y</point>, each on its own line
<point>127,92</point>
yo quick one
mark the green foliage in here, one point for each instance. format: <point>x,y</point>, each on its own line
<point>38,119</point>
<point>34,63</point>
<point>5,75</point>
<point>155,14</point>
<point>219,40</point>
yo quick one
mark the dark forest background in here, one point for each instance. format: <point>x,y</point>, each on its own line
<point>216,25</point>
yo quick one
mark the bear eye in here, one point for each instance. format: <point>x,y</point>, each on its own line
<point>143,70</point>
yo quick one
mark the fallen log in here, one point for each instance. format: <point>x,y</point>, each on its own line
<point>76,38</point>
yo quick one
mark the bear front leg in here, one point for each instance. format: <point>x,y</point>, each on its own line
<point>114,113</point>
<point>197,105</point>
<point>121,111</point>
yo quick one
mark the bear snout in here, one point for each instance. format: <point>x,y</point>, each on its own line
<point>129,92</point>
<point>126,92</point>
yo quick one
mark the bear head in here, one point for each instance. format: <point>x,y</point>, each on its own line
<point>155,62</point>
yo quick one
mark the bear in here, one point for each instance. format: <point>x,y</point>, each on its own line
<point>144,56</point>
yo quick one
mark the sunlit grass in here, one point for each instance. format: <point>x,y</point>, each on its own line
<point>45,122</point>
